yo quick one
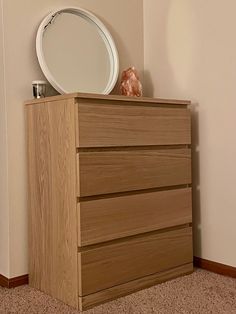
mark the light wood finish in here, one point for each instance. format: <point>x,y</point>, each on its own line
<point>118,171</point>
<point>114,264</point>
<point>52,199</point>
<point>109,195</point>
<point>112,218</point>
<point>115,292</point>
<point>124,125</point>
<point>114,98</point>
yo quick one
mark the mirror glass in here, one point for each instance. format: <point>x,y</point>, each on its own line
<point>76,52</point>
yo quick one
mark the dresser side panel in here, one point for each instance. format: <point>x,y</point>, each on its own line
<point>52,199</point>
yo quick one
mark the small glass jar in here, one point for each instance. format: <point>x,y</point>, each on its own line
<point>39,89</point>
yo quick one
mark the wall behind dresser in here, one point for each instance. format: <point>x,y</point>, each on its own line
<point>20,22</point>
<point>4,208</point>
<point>190,52</point>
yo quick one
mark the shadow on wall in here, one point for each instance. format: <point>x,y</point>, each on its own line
<point>197,241</point>
<point>170,62</point>
<point>169,49</point>
<point>125,57</point>
<point>148,88</point>
<point>152,82</point>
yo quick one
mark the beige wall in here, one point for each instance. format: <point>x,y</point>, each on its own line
<point>123,18</point>
<point>190,52</point>
<point>4,209</point>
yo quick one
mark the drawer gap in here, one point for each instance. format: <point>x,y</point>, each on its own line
<point>126,193</point>
<point>133,101</point>
<point>130,238</point>
<point>129,148</point>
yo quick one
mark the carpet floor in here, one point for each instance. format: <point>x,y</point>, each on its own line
<point>201,292</point>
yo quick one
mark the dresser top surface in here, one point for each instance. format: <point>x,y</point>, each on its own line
<point>119,98</point>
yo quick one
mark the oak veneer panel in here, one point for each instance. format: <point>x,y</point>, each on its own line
<point>112,218</point>
<point>118,171</point>
<point>115,292</point>
<point>98,97</point>
<point>107,266</point>
<point>52,199</point>
<point>110,133</point>
<point>107,124</point>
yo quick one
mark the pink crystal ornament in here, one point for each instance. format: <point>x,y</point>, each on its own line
<point>130,84</point>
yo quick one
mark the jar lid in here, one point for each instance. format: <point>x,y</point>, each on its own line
<point>39,82</point>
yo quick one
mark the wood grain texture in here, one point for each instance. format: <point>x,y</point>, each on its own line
<point>104,124</point>
<point>119,171</point>
<point>117,154</point>
<point>114,264</point>
<point>52,199</point>
<point>115,292</point>
<point>87,96</point>
<point>112,218</point>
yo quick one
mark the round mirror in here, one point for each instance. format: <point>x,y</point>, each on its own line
<point>76,52</point>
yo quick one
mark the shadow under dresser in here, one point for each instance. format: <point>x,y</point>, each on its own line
<point>109,180</point>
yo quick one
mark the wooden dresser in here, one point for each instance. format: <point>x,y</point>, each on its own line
<point>109,195</point>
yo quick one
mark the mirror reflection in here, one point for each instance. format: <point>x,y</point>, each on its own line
<point>75,53</point>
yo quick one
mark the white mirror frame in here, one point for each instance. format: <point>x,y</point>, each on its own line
<point>104,33</point>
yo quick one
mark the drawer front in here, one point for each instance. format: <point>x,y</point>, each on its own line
<point>101,125</point>
<point>118,171</point>
<point>112,218</point>
<point>117,263</point>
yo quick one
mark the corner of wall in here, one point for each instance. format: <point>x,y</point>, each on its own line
<point>4,195</point>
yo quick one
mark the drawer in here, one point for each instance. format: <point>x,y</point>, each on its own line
<point>112,218</point>
<point>114,124</point>
<point>128,170</point>
<point>117,263</point>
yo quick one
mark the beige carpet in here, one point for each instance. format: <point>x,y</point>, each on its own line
<point>201,292</point>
